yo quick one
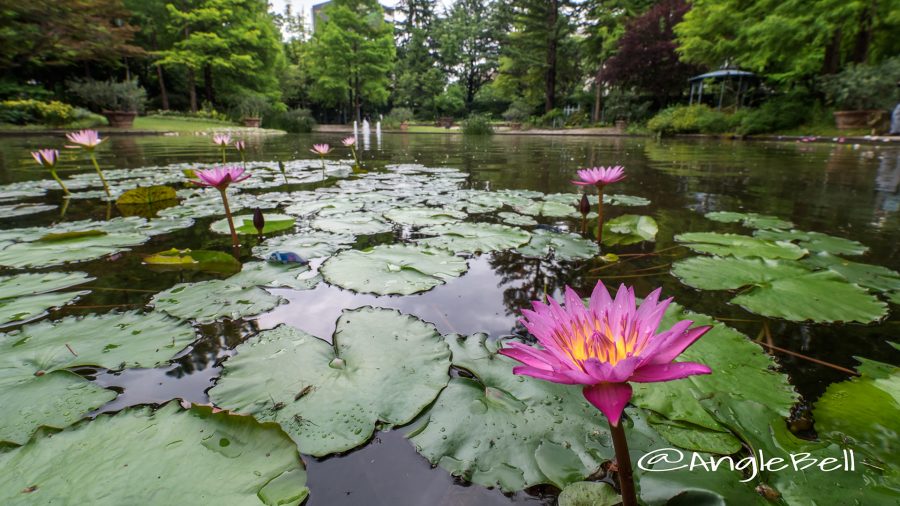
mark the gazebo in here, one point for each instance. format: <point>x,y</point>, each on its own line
<point>743,80</point>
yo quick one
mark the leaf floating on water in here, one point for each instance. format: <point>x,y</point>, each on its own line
<point>750,220</point>
<point>562,246</point>
<point>66,236</point>
<point>741,246</point>
<point>201,260</point>
<point>244,224</point>
<point>629,229</point>
<point>145,195</point>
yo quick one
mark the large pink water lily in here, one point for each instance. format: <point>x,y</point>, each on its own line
<point>46,157</point>
<point>605,345</point>
<point>600,175</point>
<point>220,177</point>
<point>321,149</point>
<point>85,139</point>
<point>222,139</point>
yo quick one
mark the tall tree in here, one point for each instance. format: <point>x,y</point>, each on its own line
<point>418,78</point>
<point>470,38</point>
<point>646,58</point>
<point>541,53</point>
<point>353,48</point>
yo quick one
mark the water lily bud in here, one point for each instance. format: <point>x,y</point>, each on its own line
<point>584,207</point>
<point>259,221</point>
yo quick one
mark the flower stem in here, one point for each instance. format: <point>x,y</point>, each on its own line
<point>223,155</point>
<point>235,244</point>
<point>623,463</point>
<point>323,167</point>
<point>58,180</point>
<point>599,214</point>
<point>100,173</point>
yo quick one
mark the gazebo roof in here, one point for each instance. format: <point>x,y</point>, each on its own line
<point>718,74</point>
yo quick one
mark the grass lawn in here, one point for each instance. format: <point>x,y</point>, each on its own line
<point>179,124</point>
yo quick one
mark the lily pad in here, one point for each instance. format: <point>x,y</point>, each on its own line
<point>739,245</point>
<point>729,273</point>
<point>307,245</point>
<point>474,237</point>
<point>629,229</point>
<point>624,200</point>
<point>750,220</point>
<point>209,301</point>
<point>395,269</point>
<point>146,195</point>
<point>589,493</point>
<point>57,249</point>
<point>516,219</point>
<point>355,224</point>
<point>382,369</point>
<point>563,246</point>
<point>275,275</point>
<point>36,283</point>
<point>873,277</point>
<point>28,307</point>
<point>244,224</point>
<point>815,241</point>
<point>550,208</point>
<point>324,207</point>
<point>120,459</point>
<point>13,210</point>
<point>201,260</point>
<point>424,216</point>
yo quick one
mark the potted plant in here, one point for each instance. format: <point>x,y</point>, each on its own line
<point>251,108</point>
<point>120,102</point>
<point>861,93</point>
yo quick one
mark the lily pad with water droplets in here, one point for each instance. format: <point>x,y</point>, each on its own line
<point>562,246</point>
<point>307,245</point>
<point>474,237</point>
<point>423,216</point>
<point>382,369</point>
<point>354,223</point>
<point>395,269</point>
<point>589,493</point>
<point>210,301</point>
<point>70,249</point>
<point>140,456</point>
<point>275,275</point>
<point>516,219</point>
<point>737,245</point>
<point>24,297</point>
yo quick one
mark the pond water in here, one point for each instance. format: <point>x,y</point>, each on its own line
<point>841,190</point>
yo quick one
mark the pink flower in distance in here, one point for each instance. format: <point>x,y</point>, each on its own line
<point>222,139</point>
<point>86,139</point>
<point>240,145</point>
<point>349,141</point>
<point>605,346</point>
<point>600,175</point>
<point>321,149</point>
<point>46,157</point>
<point>220,177</point>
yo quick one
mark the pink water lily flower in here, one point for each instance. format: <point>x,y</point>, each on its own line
<point>600,175</point>
<point>349,141</point>
<point>220,177</point>
<point>240,145</point>
<point>85,139</point>
<point>321,149</point>
<point>46,157</point>
<point>605,346</point>
<point>222,139</point>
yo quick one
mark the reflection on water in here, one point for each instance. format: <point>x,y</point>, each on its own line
<point>841,190</point>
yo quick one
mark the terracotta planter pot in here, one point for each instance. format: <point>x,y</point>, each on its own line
<point>621,125</point>
<point>251,122</point>
<point>845,120</point>
<point>120,119</point>
<point>404,126</point>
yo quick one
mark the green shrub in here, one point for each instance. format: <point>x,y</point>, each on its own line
<point>397,116</point>
<point>26,112</point>
<point>519,111</point>
<point>477,124</point>
<point>299,121</point>
<point>100,96</point>
<point>624,104</point>
<point>578,119</point>
<point>556,118</point>
<point>12,90</point>
<point>688,119</point>
<point>861,87</point>
<point>780,113</point>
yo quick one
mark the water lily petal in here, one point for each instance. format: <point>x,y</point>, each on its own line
<point>668,372</point>
<point>609,398</point>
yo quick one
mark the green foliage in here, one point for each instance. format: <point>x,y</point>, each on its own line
<point>519,111</point>
<point>30,111</point>
<point>682,119</point>
<point>477,124</point>
<point>555,118</point>
<point>861,87</point>
<point>776,114</point>
<point>452,102</point>
<point>109,95</point>
<point>295,121</point>
<point>625,104</point>
<point>12,90</point>
<point>397,116</point>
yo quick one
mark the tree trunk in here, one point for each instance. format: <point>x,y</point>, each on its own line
<point>208,84</point>
<point>192,89</point>
<point>595,116</point>
<point>357,106</point>
<point>550,83</point>
<point>833,54</point>
<point>163,94</point>
<point>863,37</point>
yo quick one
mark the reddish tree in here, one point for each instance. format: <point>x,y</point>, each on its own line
<point>646,57</point>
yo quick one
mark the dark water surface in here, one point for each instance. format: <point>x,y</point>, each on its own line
<point>847,191</point>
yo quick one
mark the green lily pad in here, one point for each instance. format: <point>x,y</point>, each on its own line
<point>29,307</point>
<point>244,224</point>
<point>589,493</point>
<point>865,410</point>
<point>629,229</point>
<point>873,277</point>
<point>201,260</point>
<point>550,209</point>
<point>783,289</point>
<point>275,275</point>
<point>57,249</point>
<point>815,241</point>
<point>13,210</point>
<point>563,246</point>
<point>616,199</point>
<point>424,216</point>
<point>739,245</point>
<point>474,237</point>
<point>37,283</point>
<point>145,195</point>
<point>210,301</point>
<point>750,220</point>
<point>324,207</point>
<point>122,459</point>
<point>355,224</point>
<point>308,245</point>
<point>383,369</point>
<point>516,219</point>
<point>395,269</point>
<point>488,428</point>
